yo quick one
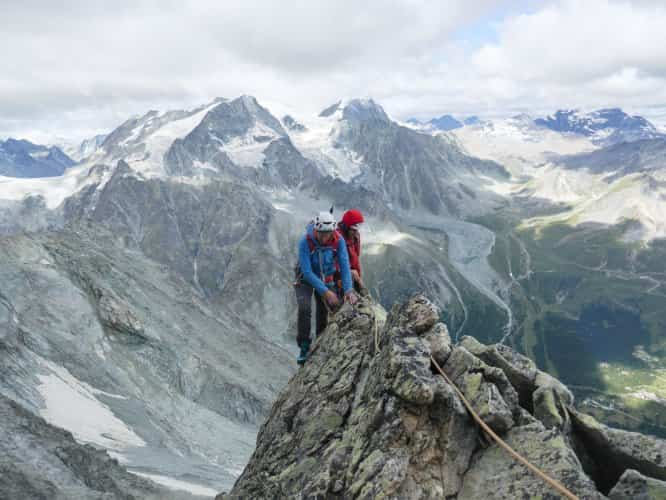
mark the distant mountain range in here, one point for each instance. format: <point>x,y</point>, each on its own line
<point>21,158</point>
<point>603,127</point>
<point>445,122</point>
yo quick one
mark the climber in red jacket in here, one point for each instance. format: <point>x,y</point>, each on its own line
<point>349,229</point>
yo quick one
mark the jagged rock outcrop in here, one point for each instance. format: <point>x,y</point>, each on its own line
<point>635,486</point>
<point>362,422</point>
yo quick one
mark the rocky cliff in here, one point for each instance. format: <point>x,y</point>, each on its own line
<point>369,417</point>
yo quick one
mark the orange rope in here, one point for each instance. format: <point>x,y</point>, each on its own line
<point>542,475</point>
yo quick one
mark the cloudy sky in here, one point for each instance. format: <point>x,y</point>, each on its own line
<point>70,69</point>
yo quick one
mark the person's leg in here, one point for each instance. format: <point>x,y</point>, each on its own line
<point>304,299</point>
<point>322,314</point>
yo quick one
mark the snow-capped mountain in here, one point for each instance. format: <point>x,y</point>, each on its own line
<point>444,123</point>
<point>357,142</point>
<point>21,158</point>
<point>600,185</point>
<point>86,148</point>
<point>604,127</point>
<point>518,143</point>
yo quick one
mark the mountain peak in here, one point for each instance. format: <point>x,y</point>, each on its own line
<point>364,110</point>
<point>445,122</point>
<point>249,102</point>
<point>368,416</point>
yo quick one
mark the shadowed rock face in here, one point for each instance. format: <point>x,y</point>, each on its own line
<point>356,423</point>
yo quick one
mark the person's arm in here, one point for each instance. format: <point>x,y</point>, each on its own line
<point>343,262</point>
<point>306,268</point>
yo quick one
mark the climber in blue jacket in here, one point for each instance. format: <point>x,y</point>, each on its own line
<point>323,268</point>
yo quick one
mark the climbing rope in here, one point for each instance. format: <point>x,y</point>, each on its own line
<point>538,472</point>
<point>376,331</point>
<point>559,487</point>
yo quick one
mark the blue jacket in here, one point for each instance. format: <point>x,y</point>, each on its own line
<point>309,262</point>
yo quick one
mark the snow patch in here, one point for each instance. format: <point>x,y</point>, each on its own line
<point>151,162</point>
<point>318,143</point>
<point>53,189</point>
<point>177,484</point>
<point>71,404</point>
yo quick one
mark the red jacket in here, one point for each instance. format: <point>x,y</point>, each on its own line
<point>354,250</point>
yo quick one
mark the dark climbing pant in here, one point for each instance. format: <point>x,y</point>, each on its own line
<point>304,294</point>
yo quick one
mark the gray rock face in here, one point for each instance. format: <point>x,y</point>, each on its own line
<point>40,461</point>
<point>215,235</point>
<point>546,397</point>
<point>613,451</point>
<point>494,475</point>
<point>635,486</point>
<point>172,386</point>
<point>413,170</point>
<point>29,214</point>
<point>353,423</point>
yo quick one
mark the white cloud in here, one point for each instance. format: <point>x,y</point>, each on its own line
<point>593,51</point>
<point>83,68</point>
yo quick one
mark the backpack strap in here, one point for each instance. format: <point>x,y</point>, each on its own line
<point>331,279</point>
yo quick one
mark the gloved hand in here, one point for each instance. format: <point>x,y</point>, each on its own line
<point>351,297</point>
<point>331,299</point>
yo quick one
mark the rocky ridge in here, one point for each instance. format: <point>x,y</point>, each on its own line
<point>357,422</point>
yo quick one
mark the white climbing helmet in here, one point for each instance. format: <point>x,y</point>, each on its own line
<point>324,222</point>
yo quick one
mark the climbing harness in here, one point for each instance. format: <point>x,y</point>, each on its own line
<point>538,472</point>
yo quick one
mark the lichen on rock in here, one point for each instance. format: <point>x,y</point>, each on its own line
<point>356,423</point>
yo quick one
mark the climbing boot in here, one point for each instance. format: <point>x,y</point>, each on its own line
<point>303,355</point>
